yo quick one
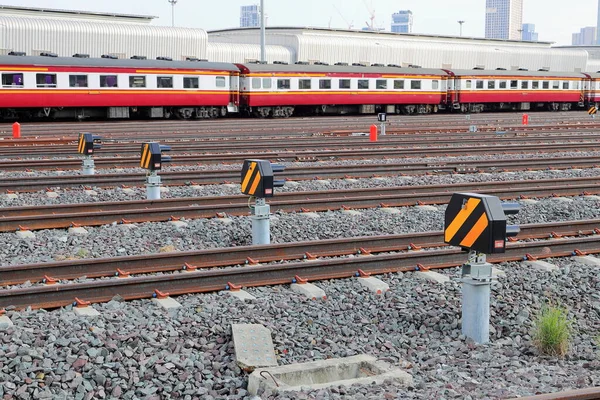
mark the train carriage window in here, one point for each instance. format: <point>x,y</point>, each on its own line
<point>137,81</point>
<point>363,83</point>
<point>468,84</point>
<point>535,84</point>
<point>108,81</point>
<point>514,84</point>
<point>344,84</point>
<point>479,84</point>
<point>491,84</point>
<point>525,85</point>
<point>565,85</point>
<point>12,80</point>
<point>164,82</point>
<point>556,85</point>
<point>78,81</point>
<point>416,85</point>
<point>266,83</point>
<point>221,82</point>
<point>304,84</point>
<point>381,83</point>
<point>324,83</point>
<point>399,84</point>
<point>503,84</point>
<point>435,84</point>
<point>45,80</point>
<point>546,85</point>
<point>283,83</point>
<point>190,83</point>
<point>256,83</point>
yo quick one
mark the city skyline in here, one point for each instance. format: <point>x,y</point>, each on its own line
<point>555,20</point>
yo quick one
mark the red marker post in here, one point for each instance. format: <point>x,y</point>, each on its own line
<point>373,133</point>
<point>16,130</point>
<point>525,119</point>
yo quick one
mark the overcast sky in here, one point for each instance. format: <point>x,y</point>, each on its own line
<point>555,20</point>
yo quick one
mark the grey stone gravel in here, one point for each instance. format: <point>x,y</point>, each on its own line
<point>136,350</point>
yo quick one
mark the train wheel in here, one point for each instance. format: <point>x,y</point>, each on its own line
<point>185,113</point>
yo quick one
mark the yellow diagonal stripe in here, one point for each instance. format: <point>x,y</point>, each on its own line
<point>255,183</point>
<point>145,160</point>
<point>460,218</point>
<point>475,232</point>
<point>81,143</point>
<point>249,173</point>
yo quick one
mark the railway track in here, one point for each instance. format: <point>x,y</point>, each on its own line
<point>213,279</point>
<point>64,216</point>
<point>581,394</point>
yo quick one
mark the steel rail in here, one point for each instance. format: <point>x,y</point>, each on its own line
<point>200,281</point>
<point>580,394</point>
<point>165,262</point>
<point>64,216</point>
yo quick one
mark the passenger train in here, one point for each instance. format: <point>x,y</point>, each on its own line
<point>39,87</point>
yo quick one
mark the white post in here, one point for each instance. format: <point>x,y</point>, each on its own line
<point>477,283</point>
<point>261,224</point>
<point>88,166</point>
<point>153,186</point>
<point>263,55</point>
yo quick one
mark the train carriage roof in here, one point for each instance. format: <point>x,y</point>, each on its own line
<point>351,69</point>
<point>112,63</point>
<point>541,74</point>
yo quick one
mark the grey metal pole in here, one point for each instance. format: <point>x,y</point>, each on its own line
<point>261,224</point>
<point>173,2</point>
<point>477,283</point>
<point>263,56</point>
<point>153,182</point>
<point>88,166</point>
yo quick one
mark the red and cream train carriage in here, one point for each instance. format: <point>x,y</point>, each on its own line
<point>281,89</point>
<point>114,88</point>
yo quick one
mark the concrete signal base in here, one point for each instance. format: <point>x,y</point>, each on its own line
<point>361,369</point>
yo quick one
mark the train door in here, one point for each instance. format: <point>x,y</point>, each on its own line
<point>234,93</point>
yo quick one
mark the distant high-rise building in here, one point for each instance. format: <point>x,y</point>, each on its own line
<point>249,16</point>
<point>585,37</point>
<point>529,34</point>
<point>402,21</point>
<point>503,19</point>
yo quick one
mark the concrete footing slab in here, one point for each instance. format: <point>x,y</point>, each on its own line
<point>129,191</point>
<point>432,276</point>
<point>291,183</point>
<point>529,201</point>
<point>5,322</point>
<point>86,311</point>
<point>78,231</point>
<point>240,295</point>
<point>91,192</point>
<point>128,226</point>
<point>25,235</point>
<point>426,208</point>
<point>230,185</point>
<point>588,260</point>
<point>52,195</point>
<point>196,187</point>
<point>225,221</point>
<point>12,196</point>
<point>315,375</point>
<point>178,224</point>
<point>497,272</point>
<point>375,285</point>
<point>351,180</point>
<point>562,199</point>
<point>309,290</point>
<point>351,212</point>
<point>381,178</point>
<point>253,346</point>
<point>324,182</point>
<point>591,198</point>
<point>390,210</point>
<point>540,265</point>
<point>164,189</point>
<point>313,215</point>
<point>168,303</point>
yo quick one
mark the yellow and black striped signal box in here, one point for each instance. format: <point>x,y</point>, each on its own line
<point>258,179</point>
<point>88,143</point>
<point>478,222</point>
<point>152,157</point>
<point>593,110</point>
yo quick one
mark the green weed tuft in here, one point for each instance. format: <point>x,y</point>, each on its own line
<point>552,331</point>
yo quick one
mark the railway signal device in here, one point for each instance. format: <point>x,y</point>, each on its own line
<point>477,223</point>
<point>382,118</point>
<point>88,143</point>
<point>258,181</point>
<point>152,159</point>
<point>593,111</point>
